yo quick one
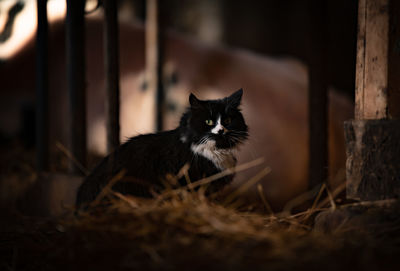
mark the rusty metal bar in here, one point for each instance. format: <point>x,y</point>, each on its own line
<point>42,88</point>
<point>76,81</point>
<point>111,57</point>
<point>318,98</point>
<point>154,58</point>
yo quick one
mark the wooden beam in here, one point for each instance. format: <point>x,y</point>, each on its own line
<point>154,58</point>
<point>377,93</point>
<point>76,81</point>
<point>373,138</point>
<point>42,88</point>
<point>111,56</point>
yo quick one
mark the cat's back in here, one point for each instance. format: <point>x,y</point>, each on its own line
<point>145,158</point>
<point>151,144</point>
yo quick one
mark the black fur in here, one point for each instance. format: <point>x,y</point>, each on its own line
<point>148,158</point>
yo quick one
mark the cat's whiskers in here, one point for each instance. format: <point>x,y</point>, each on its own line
<point>237,137</point>
<point>204,140</point>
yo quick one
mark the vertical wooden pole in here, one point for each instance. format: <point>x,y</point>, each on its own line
<point>377,72</point>
<point>318,101</point>
<point>372,66</point>
<point>154,57</point>
<point>76,81</point>
<point>42,87</point>
<point>111,57</point>
<point>360,61</point>
<point>373,138</point>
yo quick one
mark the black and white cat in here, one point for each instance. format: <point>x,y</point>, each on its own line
<point>206,139</point>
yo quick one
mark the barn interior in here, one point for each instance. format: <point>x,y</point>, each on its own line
<point>316,185</point>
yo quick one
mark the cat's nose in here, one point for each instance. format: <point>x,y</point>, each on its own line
<point>220,132</point>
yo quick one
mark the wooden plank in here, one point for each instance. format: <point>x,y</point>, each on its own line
<point>318,98</point>
<point>111,56</point>
<point>360,61</point>
<point>76,81</point>
<point>42,88</point>
<point>378,60</point>
<point>372,139</point>
<point>154,58</point>
<point>372,58</point>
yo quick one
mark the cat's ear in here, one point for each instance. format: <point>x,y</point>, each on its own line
<point>235,99</point>
<point>194,102</point>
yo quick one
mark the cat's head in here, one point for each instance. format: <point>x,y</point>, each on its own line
<point>218,121</point>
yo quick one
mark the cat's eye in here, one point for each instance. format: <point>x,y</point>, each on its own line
<point>209,122</point>
<point>228,120</point>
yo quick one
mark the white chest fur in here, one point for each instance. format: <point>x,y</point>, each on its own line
<point>222,158</point>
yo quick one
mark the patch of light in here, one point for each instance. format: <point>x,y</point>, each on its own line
<point>25,24</point>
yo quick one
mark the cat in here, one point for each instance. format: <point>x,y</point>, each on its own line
<point>208,134</point>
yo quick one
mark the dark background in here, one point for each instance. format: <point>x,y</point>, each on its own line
<point>270,27</point>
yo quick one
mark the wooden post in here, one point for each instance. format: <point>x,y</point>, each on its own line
<point>111,56</point>
<point>76,81</point>
<point>317,95</point>
<point>373,138</point>
<point>372,74</point>
<point>42,88</point>
<point>154,58</point>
